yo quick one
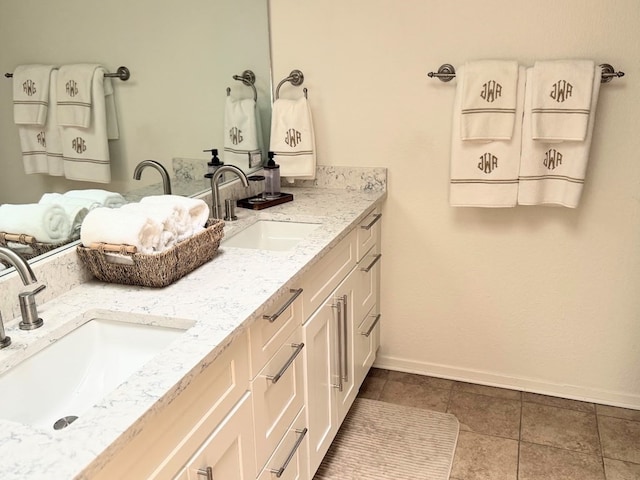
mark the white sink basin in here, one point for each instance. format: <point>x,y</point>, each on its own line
<point>271,235</point>
<point>71,375</point>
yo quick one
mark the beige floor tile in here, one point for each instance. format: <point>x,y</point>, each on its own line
<point>483,457</point>
<point>372,388</point>
<point>618,412</point>
<point>538,462</point>
<point>618,470</point>
<point>558,402</point>
<point>488,415</point>
<point>420,380</point>
<point>620,438</point>
<point>487,390</point>
<point>378,372</point>
<point>559,427</point>
<point>415,396</point>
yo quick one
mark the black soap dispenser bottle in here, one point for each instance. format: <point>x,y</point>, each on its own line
<point>272,178</point>
<point>215,162</point>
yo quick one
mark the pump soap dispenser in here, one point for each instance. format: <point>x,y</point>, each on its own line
<point>215,162</point>
<point>272,178</point>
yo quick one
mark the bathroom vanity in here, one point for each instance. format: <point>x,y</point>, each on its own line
<point>279,344</point>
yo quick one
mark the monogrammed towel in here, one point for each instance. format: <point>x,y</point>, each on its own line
<point>489,95</point>
<point>561,99</point>
<point>485,174</point>
<point>242,133</point>
<point>74,94</point>
<point>553,173</point>
<point>292,138</point>
<point>31,94</point>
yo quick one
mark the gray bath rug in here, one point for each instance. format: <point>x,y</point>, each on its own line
<point>381,440</point>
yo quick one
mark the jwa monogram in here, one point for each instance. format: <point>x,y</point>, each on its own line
<point>561,90</point>
<point>491,91</point>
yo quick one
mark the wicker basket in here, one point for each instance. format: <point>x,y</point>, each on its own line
<point>31,246</point>
<point>158,269</point>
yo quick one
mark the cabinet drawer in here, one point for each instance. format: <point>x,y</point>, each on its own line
<point>278,396</point>
<point>368,277</point>
<point>369,232</point>
<point>325,275</point>
<point>365,344</point>
<point>267,333</point>
<point>290,460</point>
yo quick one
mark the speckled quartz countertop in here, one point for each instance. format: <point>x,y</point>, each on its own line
<point>220,299</point>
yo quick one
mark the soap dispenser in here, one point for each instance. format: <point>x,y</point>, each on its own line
<point>272,178</point>
<point>215,162</point>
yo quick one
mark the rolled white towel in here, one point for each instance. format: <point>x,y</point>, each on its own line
<point>192,213</point>
<point>76,208</point>
<point>47,223</point>
<point>165,215</point>
<point>117,226</point>
<point>103,197</point>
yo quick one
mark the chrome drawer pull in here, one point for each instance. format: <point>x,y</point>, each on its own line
<point>281,470</point>
<point>208,472</point>
<point>298,348</point>
<point>376,217</point>
<point>375,260</point>
<point>274,317</point>
<point>373,325</point>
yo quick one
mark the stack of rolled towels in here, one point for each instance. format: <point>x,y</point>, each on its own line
<point>56,218</point>
<point>153,225</point>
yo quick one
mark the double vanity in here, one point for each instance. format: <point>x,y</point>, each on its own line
<point>244,368</point>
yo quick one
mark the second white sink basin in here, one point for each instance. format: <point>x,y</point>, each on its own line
<point>271,235</point>
<point>66,378</point>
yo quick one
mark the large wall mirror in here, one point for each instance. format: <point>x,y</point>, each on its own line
<point>182,57</point>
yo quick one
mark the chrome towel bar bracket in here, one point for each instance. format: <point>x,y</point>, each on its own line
<point>296,77</point>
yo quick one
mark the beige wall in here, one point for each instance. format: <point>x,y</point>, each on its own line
<point>538,298</point>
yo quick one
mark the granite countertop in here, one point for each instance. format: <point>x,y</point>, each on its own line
<point>220,299</point>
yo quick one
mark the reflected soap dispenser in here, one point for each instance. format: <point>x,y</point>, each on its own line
<point>272,178</point>
<point>215,162</point>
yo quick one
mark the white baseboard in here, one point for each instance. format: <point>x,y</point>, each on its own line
<point>574,392</point>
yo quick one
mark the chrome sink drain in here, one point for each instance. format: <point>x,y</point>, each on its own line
<point>64,422</point>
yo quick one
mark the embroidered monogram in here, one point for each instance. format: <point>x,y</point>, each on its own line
<point>552,159</point>
<point>235,134</point>
<point>72,88</point>
<point>29,87</point>
<point>488,162</point>
<point>491,91</point>
<point>293,137</point>
<point>41,139</point>
<point>561,90</point>
<point>79,145</point>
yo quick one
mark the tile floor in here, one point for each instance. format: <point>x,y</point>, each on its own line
<point>512,435</point>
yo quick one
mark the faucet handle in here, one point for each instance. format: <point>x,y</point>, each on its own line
<point>29,310</point>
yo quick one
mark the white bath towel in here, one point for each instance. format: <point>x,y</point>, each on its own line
<point>292,138</point>
<point>191,213</point>
<point>86,150</point>
<point>165,215</point>
<point>76,208</point>
<point>242,132</point>
<point>561,99</point>
<point>53,137</point>
<point>120,227</point>
<point>489,96</point>
<point>31,94</point>
<point>104,197</point>
<point>74,94</point>
<point>485,174</point>
<point>47,223</point>
<point>553,173</point>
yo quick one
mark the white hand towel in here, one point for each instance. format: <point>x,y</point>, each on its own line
<point>553,173</point>
<point>485,174</point>
<point>33,144</point>
<point>561,99</point>
<point>53,138</point>
<point>191,213</point>
<point>108,225</point>
<point>86,150</point>
<point>292,138</point>
<point>47,223</point>
<point>489,96</point>
<point>74,94</point>
<point>103,197</point>
<point>31,94</point>
<point>76,208</point>
<point>165,215</point>
<point>242,132</point>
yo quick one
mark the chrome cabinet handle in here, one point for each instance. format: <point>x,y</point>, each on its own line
<point>338,307</point>
<point>206,472</point>
<point>376,217</point>
<point>373,325</point>
<point>375,260</point>
<point>274,317</point>
<point>280,471</point>
<point>298,348</point>
<point>345,359</point>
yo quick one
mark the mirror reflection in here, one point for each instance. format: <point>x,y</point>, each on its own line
<point>188,63</point>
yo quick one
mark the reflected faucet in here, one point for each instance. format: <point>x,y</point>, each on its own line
<point>166,183</point>
<point>215,203</point>
<point>27,300</point>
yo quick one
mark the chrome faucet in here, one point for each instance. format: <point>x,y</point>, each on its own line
<point>166,183</point>
<point>27,300</point>
<point>215,192</point>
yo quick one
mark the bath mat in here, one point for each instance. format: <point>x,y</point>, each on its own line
<point>380,440</point>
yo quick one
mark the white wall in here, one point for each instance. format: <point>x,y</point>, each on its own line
<point>538,298</point>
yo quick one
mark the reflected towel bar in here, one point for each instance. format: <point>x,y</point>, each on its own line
<point>447,72</point>
<point>122,73</point>
<point>249,79</point>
